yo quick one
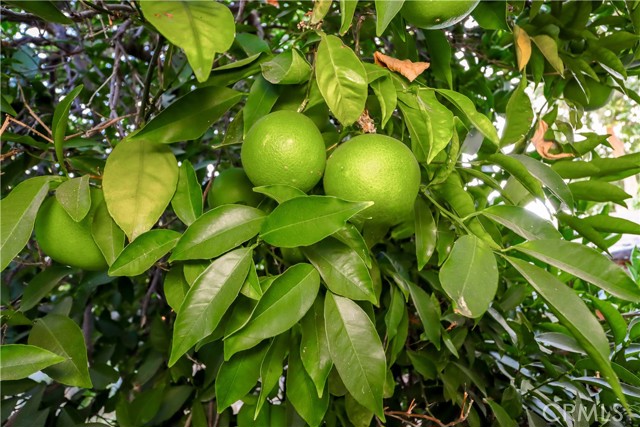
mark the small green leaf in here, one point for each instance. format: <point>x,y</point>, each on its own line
<point>519,172</point>
<point>612,224</point>
<point>522,222</point>
<point>18,361</point>
<point>428,313</point>
<point>491,16</point>
<point>62,336</point>
<point>41,285</point>
<point>385,91</point>
<point>261,99</point>
<point>315,347</point>
<point>279,192</point>
<point>598,191</point>
<point>238,376</point>
<point>43,9</point>
<point>175,287</point>
<point>608,60</point>
<point>303,221</point>
<point>350,236</point>
<point>287,68</point>
<point>140,255</point>
<point>440,54</point>
<point>106,233</point>
<point>549,49</point>
<point>426,232</point>
<point>75,197</point>
<point>60,121</point>
<point>470,276</point>
<point>503,418</point>
<point>5,107</point>
<point>347,10</point>
<point>218,231</point>
<point>480,121</point>
<point>187,201</point>
<point>271,368</point>
<point>615,320</point>
<point>386,10</point>
<point>519,116</point>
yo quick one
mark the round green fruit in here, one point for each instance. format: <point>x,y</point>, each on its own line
<point>436,14</point>
<point>599,94</point>
<point>375,168</point>
<point>284,147</point>
<point>66,241</point>
<point>232,186</point>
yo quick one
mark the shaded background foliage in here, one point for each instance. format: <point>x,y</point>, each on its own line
<point>513,362</point>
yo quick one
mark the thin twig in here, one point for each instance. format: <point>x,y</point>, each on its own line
<point>12,119</point>
<point>100,127</point>
<point>33,114</point>
<point>408,414</point>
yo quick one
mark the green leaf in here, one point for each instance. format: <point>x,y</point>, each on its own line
<point>18,212</point>
<point>106,233</point>
<point>59,124</point>
<point>585,230</point>
<point>575,316</point>
<point>356,351</point>
<point>18,361</point>
<point>612,224</point>
<point>237,376</point>
<point>385,91</point>
<point>75,197</point>
<point>191,115</point>
<point>271,368</point>
<point>5,106</point>
<point>341,79</point>
<point>262,97</point>
<point>140,255</point>
<point>301,390</point>
<point>303,221</point>
<point>585,263</point>
<point>279,192</point>
<point>41,285</point>
<point>350,236</point>
<point>43,9</point>
<point>470,276</point>
<point>347,10</point>
<point>320,10</point>
<point>519,116</point>
<point>440,54</point>
<point>315,347</point>
<point>201,29</point>
<point>287,68</point>
<point>175,287</point>
<point>251,288</point>
<point>615,320</point>
<point>282,306</point>
<point>480,121</point>
<point>602,168</point>
<point>608,60</point>
<point>512,165</point>
<point>208,300</point>
<point>426,232</point>
<point>491,16</point>
<point>548,177</point>
<point>139,180</point>
<point>522,222</point>
<point>503,418</point>
<point>598,191</point>
<point>62,336</point>
<point>187,201</point>
<point>386,10</point>
<point>428,313</point>
<point>549,49</point>
<point>218,231</point>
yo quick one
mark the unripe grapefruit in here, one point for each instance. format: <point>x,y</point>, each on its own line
<point>230,187</point>
<point>435,14</point>
<point>599,94</point>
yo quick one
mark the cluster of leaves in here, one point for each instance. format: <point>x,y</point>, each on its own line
<point>476,310</point>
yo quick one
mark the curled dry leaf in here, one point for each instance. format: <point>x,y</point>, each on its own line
<point>543,147</point>
<point>273,3</point>
<point>523,46</point>
<point>411,70</point>
<point>366,123</point>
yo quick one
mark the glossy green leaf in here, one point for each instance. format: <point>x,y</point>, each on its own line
<point>426,232</point>
<point>549,49</point>
<point>75,197</point>
<point>385,92</point>
<point>201,29</point>
<point>139,180</point>
<point>237,376</point>
<point>356,413</point>
<point>548,177</point>
<point>612,224</point>
<point>314,346</point>
<point>106,233</point>
<point>40,286</point>
<point>285,302</point>
<point>491,16</point>
<point>350,236</point>
<point>175,287</point>
<point>585,263</point>
<point>608,60</point>
<point>43,9</point>
<point>189,116</point>
<point>466,106</point>
<point>502,416</point>
<point>386,10</point>
<point>356,351</point>
<point>301,390</point>
<point>5,106</point>
<point>584,229</point>
<point>262,97</point>
<point>613,317</point>
<point>347,10</point>
<point>522,222</point>
<point>140,255</point>
<point>320,10</point>
<point>208,300</point>
<point>187,201</point>
<point>598,191</point>
<point>62,336</point>
<point>519,171</point>
<point>18,361</point>
<point>342,269</point>
<point>251,288</point>
<point>519,116</point>
<point>428,313</point>
<point>18,212</point>
<point>59,124</point>
<point>279,192</point>
<point>218,231</point>
<point>271,368</point>
<point>574,315</point>
<point>287,68</point>
<point>470,276</point>
<point>303,221</point>
<point>341,79</point>
<point>394,314</point>
<point>440,54</point>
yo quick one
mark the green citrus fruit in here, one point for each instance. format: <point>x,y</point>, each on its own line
<point>284,147</point>
<point>66,241</point>
<point>232,186</point>
<point>375,168</point>
<point>435,14</point>
<point>599,94</point>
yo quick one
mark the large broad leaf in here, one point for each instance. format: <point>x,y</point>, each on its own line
<point>237,376</point>
<point>142,253</point>
<point>342,269</point>
<point>106,233</point>
<point>470,276</point>
<point>191,115</point>
<point>282,306</point>
<point>59,124</point>
<point>315,347</point>
<point>41,285</point>
<point>342,79</point>
<point>218,231</point>
<point>426,232</point>
<point>139,180</point>
<point>350,236</point>
<point>522,222</point>
<point>519,116</point>
<point>208,300</point>
<point>480,121</point>
<point>18,361</point>
<point>303,221</point>
<point>386,10</point>
<point>549,49</point>
<point>611,224</point>
<point>18,212</point>
<point>271,368</point>
<point>75,197</point>
<point>585,263</point>
<point>574,315</point>
<point>548,177</point>
<point>356,351</point>
<point>187,202</point>
<point>62,336</point>
<point>347,10</point>
<point>287,68</point>
<point>43,9</point>
<point>201,29</point>
<point>520,172</point>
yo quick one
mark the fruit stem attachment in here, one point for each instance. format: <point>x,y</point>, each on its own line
<point>446,213</point>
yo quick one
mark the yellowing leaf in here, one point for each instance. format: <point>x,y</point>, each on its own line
<point>523,46</point>
<point>411,70</point>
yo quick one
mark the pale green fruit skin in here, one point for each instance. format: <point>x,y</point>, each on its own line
<point>66,241</point>
<point>232,186</point>
<point>286,148</point>
<point>375,168</point>
<point>599,94</point>
<point>437,14</point>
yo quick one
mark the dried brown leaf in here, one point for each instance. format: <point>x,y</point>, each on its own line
<point>544,147</point>
<point>411,70</point>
